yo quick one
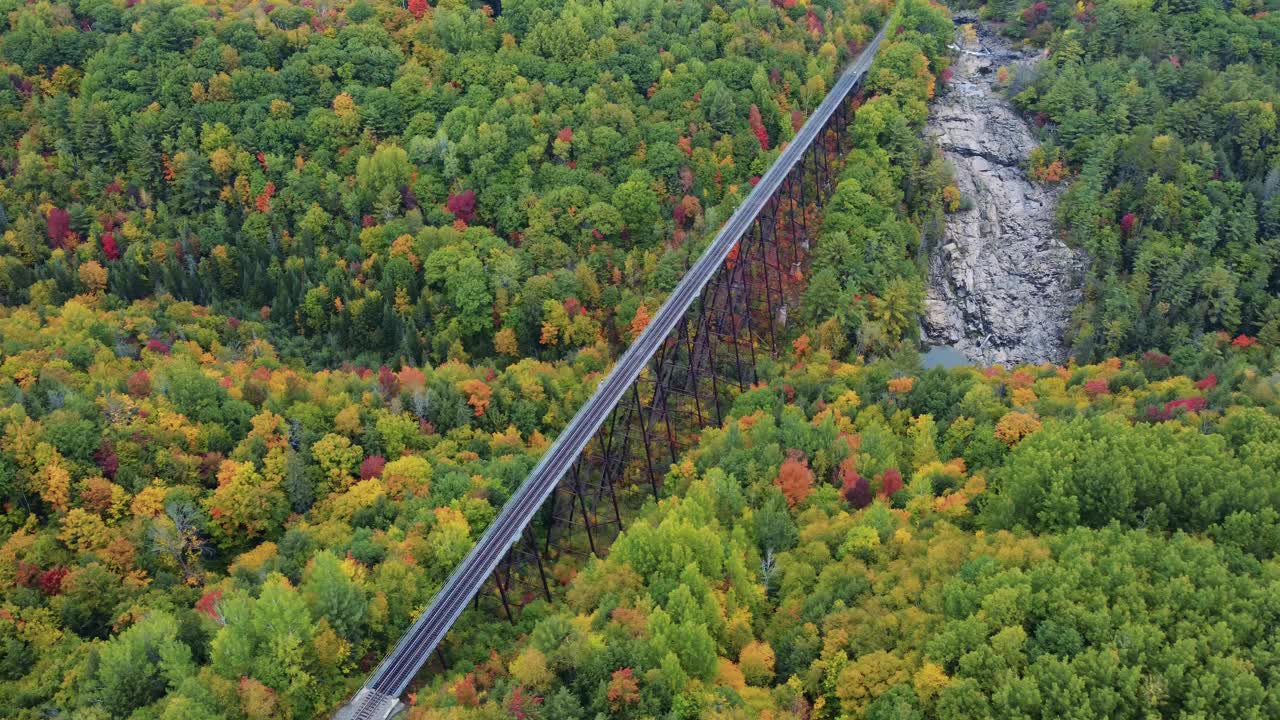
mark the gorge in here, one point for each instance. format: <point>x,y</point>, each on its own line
<point>1001,285</point>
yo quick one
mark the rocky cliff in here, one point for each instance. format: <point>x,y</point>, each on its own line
<point>1001,284</point>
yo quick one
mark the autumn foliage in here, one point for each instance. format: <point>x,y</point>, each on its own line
<point>371,467</point>
<point>289,314</point>
<point>623,690</point>
<point>463,205</point>
<point>58,226</point>
<point>795,479</point>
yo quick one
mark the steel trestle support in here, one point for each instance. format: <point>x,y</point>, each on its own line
<point>690,380</point>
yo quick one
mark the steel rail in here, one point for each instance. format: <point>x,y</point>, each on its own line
<point>398,669</point>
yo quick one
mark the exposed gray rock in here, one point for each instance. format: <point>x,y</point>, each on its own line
<point>1002,285</point>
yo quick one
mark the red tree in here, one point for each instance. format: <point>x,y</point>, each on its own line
<point>372,467</point>
<point>856,490</point>
<point>139,384</point>
<point>107,460</point>
<point>263,202</point>
<point>463,205</point>
<point>1126,223</point>
<point>890,482</point>
<point>795,479</point>
<point>388,381</point>
<point>1035,14</point>
<point>418,8</point>
<point>58,225</point>
<point>522,705</point>
<point>623,690</point>
<point>815,25</point>
<point>50,581</point>
<point>208,604</point>
<point>109,246</point>
<point>1155,360</point>
<point>1191,404</point>
<point>465,691</point>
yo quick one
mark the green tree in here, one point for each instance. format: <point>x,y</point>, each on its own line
<point>136,668</point>
<point>332,594</point>
<point>638,206</point>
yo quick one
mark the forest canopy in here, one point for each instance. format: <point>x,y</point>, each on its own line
<point>873,541</point>
<point>422,183</point>
<point>293,296</point>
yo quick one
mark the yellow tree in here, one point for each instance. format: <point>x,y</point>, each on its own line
<point>55,483</point>
<point>867,678</point>
<point>245,505</point>
<point>756,663</point>
<point>338,458</point>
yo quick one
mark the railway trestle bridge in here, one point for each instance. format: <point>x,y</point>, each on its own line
<point>699,349</point>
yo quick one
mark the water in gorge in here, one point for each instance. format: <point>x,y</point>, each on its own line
<point>1002,285</point>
